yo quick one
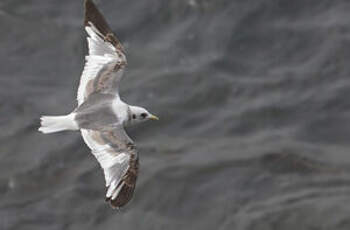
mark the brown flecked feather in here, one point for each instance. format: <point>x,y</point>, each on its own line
<point>130,177</point>
<point>128,188</point>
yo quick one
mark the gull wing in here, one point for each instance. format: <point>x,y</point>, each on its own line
<point>106,60</point>
<point>118,157</point>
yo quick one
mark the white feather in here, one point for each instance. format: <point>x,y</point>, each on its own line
<point>114,165</point>
<point>116,192</point>
<point>92,67</point>
<point>101,53</point>
<point>52,124</point>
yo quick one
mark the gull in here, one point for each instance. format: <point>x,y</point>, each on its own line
<point>101,115</point>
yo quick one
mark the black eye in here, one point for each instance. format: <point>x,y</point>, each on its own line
<point>143,115</point>
<point>133,116</point>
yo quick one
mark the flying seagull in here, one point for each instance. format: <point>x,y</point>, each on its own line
<point>101,115</point>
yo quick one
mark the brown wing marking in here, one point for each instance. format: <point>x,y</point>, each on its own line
<point>97,137</point>
<point>106,80</point>
<point>102,81</point>
<point>119,141</point>
<point>89,88</point>
<point>128,188</point>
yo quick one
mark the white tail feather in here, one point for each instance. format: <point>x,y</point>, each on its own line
<point>52,124</point>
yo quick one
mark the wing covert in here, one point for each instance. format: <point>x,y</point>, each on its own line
<point>118,157</point>
<point>106,61</point>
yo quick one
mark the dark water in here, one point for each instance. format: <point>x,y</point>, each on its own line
<point>254,103</point>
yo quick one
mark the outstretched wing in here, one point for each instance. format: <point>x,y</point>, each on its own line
<point>106,61</point>
<point>118,157</point>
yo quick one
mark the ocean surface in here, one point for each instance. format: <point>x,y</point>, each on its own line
<point>253,100</point>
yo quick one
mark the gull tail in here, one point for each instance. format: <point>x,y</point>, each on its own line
<point>52,124</point>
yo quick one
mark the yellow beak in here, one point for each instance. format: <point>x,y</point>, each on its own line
<point>152,117</point>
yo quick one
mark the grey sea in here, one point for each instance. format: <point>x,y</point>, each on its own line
<point>253,100</point>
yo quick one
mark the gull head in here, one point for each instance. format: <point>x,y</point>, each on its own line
<point>138,114</point>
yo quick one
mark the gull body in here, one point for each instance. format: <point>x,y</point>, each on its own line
<point>101,115</point>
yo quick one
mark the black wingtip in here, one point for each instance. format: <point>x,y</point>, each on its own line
<point>88,4</point>
<point>93,15</point>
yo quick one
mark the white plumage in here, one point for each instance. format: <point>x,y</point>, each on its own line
<point>52,124</point>
<point>101,53</point>
<point>101,115</point>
